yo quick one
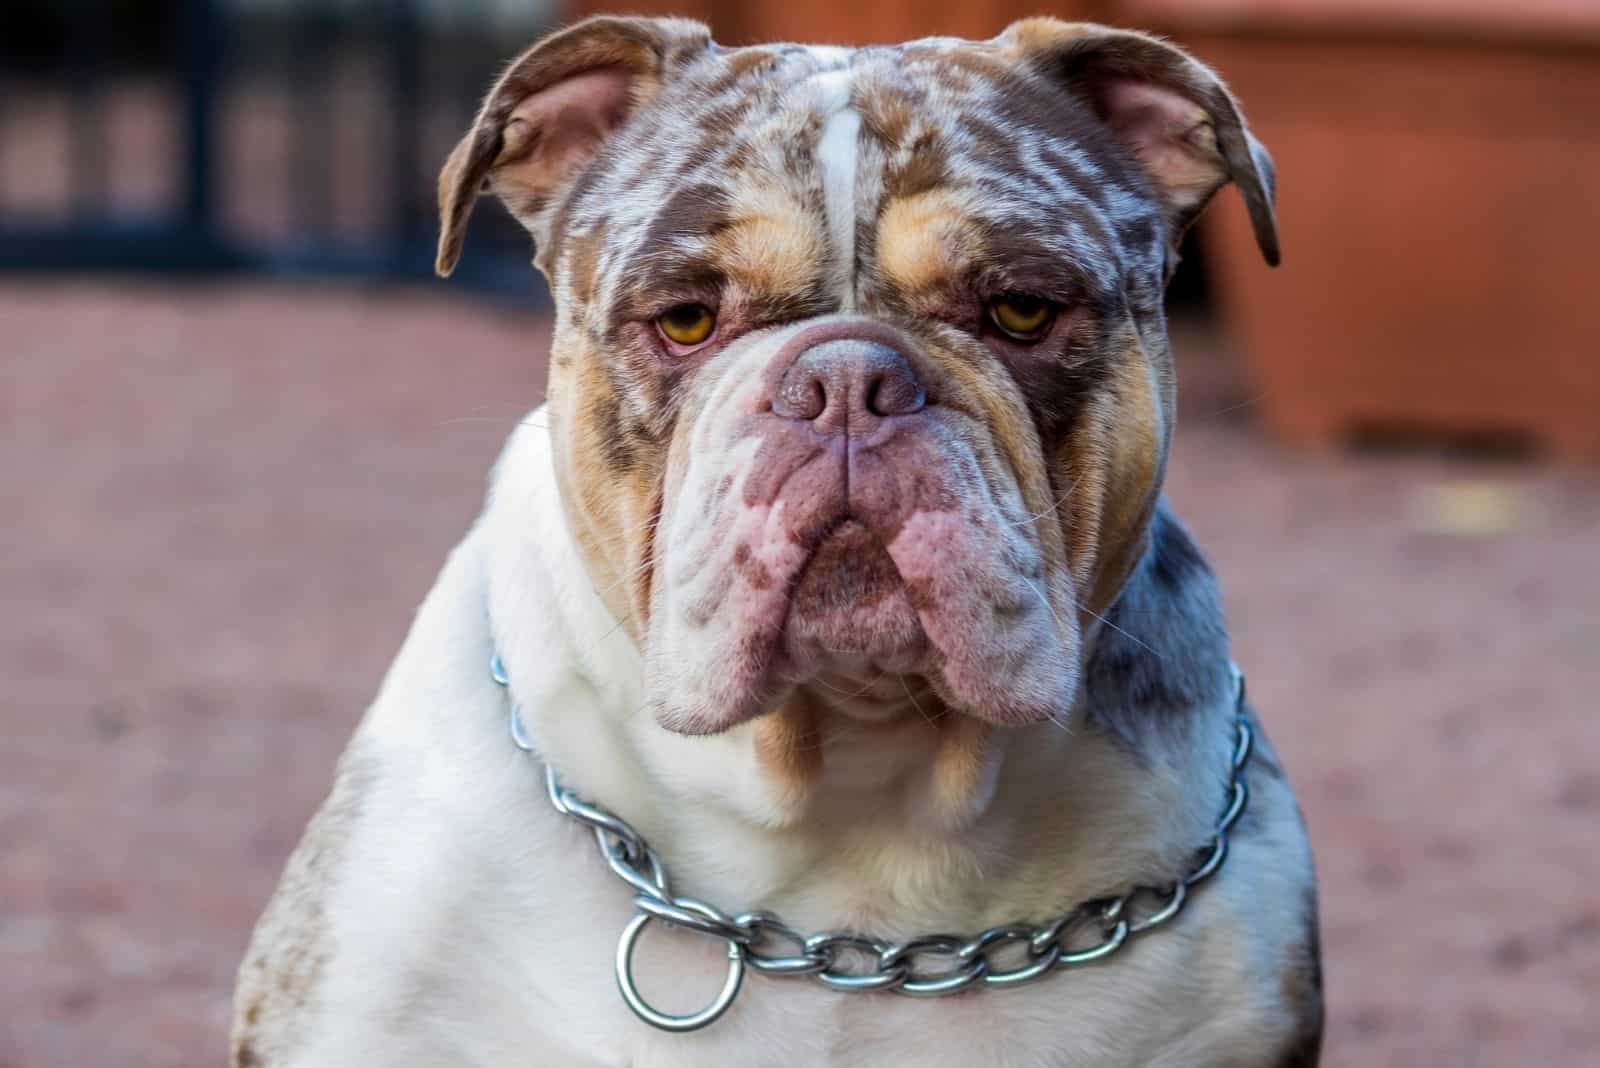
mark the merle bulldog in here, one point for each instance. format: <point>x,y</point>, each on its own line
<point>825,635</point>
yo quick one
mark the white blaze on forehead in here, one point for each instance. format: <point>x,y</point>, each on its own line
<point>837,150</point>
<point>830,53</point>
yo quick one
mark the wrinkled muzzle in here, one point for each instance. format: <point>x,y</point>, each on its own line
<point>832,509</point>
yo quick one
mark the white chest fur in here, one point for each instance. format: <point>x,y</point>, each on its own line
<point>465,944</point>
<point>469,923</point>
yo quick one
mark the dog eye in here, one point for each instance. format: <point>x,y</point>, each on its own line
<point>1022,316</point>
<point>687,324</point>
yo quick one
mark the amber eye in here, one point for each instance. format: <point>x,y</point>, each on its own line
<point>687,324</point>
<point>1022,316</point>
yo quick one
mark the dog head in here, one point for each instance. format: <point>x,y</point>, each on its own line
<point>860,385</point>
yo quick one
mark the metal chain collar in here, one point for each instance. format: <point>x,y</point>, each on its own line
<point>928,966</point>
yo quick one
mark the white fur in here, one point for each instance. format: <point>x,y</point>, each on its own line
<point>469,924</point>
<point>837,151</point>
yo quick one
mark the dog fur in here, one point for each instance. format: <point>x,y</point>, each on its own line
<point>939,667</point>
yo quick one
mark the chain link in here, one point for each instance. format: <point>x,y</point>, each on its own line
<point>926,966</point>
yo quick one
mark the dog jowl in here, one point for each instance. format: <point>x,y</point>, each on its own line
<point>860,387</point>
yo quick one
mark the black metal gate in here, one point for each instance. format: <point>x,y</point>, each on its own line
<point>290,137</point>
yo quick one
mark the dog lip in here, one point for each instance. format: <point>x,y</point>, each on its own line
<point>848,599</point>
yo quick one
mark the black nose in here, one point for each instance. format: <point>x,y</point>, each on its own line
<point>846,381</point>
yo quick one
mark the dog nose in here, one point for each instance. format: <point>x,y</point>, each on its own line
<point>843,381</point>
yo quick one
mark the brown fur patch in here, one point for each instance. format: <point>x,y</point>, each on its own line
<point>610,479</point>
<point>621,445</point>
<point>925,169</point>
<point>742,64</point>
<point>580,265</point>
<point>752,570</point>
<point>1133,448</point>
<point>886,113</point>
<point>789,749</point>
<point>960,764</point>
<point>922,238</point>
<point>773,245</point>
<point>1034,35</point>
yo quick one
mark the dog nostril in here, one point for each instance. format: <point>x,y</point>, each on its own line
<point>895,394</point>
<point>816,399</point>
<point>801,397</point>
<point>837,382</point>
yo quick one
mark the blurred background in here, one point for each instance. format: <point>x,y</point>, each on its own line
<point>240,426</point>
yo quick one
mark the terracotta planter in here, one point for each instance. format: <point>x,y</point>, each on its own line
<point>1438,212</point>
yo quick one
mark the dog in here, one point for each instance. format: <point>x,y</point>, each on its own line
<point>833,592</point>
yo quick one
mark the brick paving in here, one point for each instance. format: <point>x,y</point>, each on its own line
<point>220,504</point>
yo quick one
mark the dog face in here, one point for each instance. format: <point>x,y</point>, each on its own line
<point>860,385</point>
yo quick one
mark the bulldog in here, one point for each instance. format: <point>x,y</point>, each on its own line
<point>825,634</point>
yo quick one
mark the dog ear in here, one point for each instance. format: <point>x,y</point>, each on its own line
<point>550,113</point>
<point>1169,109</point>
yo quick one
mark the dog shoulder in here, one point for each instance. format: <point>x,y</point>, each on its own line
<point>295,956</point>
<point>276,995</point>
<point>1274,837</point>
<point>1300,998</point>
<point>1300,985</point>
